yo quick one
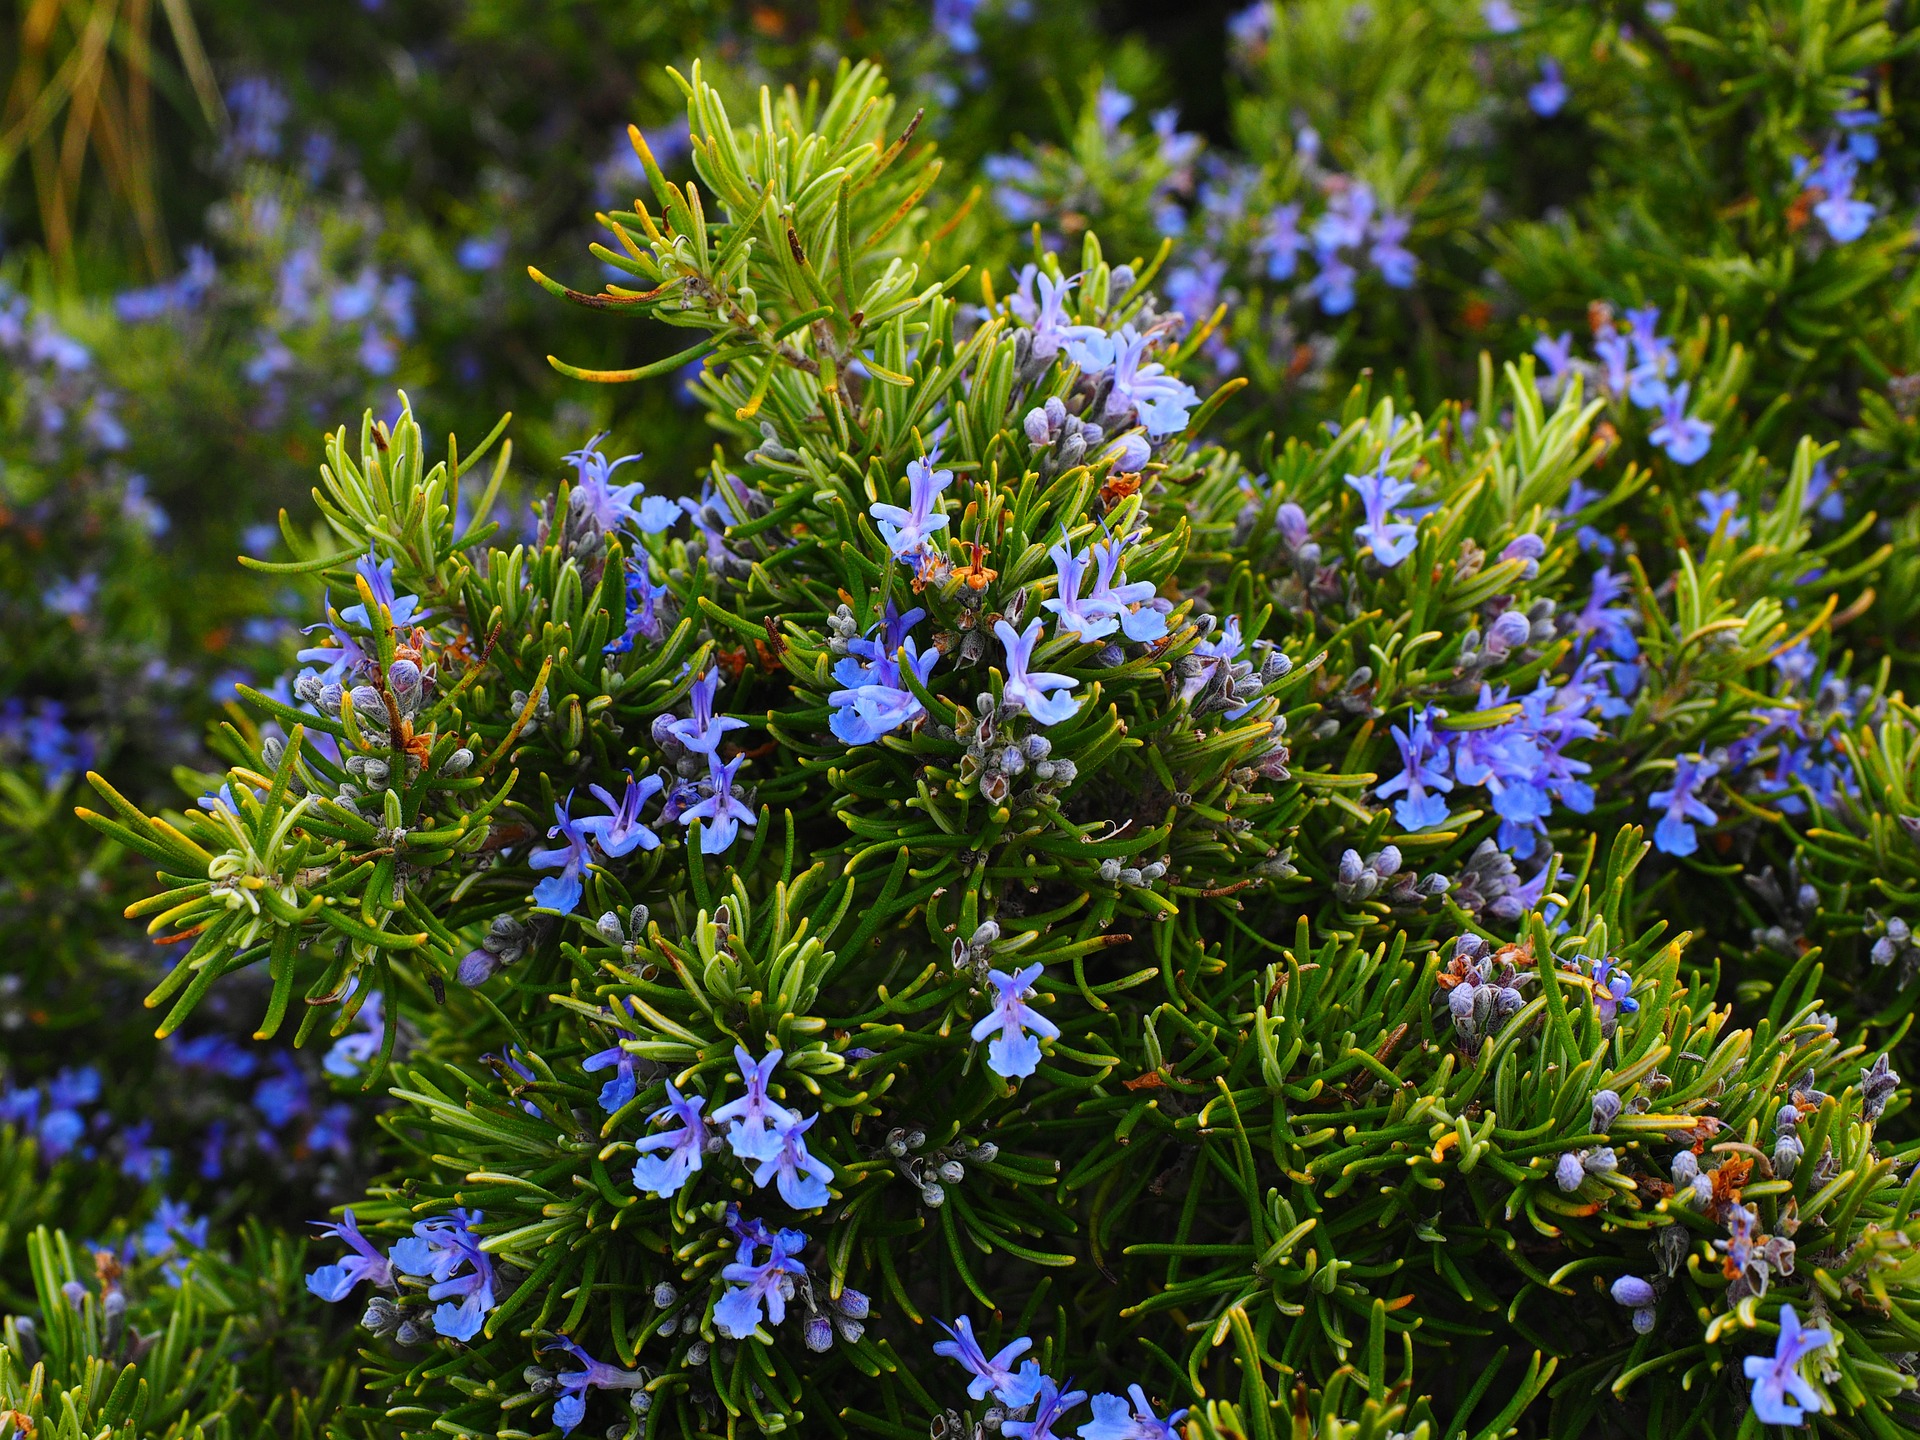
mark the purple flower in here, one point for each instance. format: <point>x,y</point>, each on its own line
<point>611,505</point>
<point>723,811</point>
<point>663,1175</point>
<point>755,1285</point>
<point>756,1119</point>
<point>562,892</point>
<point>351,1052</point>
<point>1070,615</point>
<point>1281,242</point>
<point>1115,1419</point>
<point>1396,263</point>
<point>1609,625</point>
<point>1683,437</point>
<point>140,1160</point>
<point>1391,540</point>
<point>1045,317</point>
<point>1547,95</point>
<point>341,654</point>
<point>1846,219</point>
<point>1614,351</point>
<point>332,1283</point>
<point>1781,1394</point>
<point>1048,1406</point>
<point>1423,773</point>
<point>571,1408</point>
<point>625,1083</point>
<point>1611,987</point>
<point>1653,356</point>
<point>621,832</point>
<point>445,1250</point>
<point>1141,620</point>
<point>1012,1388</point>
<point>702,731</point>
<point>1500,19</point>
<point>1013,1053</point>
<point>643,608</point>
<point>1333,285</point>
<point>909,532</point>
<point>1145,388</point>
<point>802,1178</point>
<point>378,575</point>
<point>282,1096</point>
<point>1722,507</point>
<point>1556,353</point>
<point>876,699</point>
<point>1042,692</point>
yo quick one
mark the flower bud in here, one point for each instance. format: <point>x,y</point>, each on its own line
<point>476,968</point>
<point>1039,432</point>
<point>1685,1167</point>
<point>852,1304</point>
<point>1632,1292</point>
<point>1568,1172</point>
<point>458,763</point>
<point>817,1333</point>
<point>1606,1109</point>
<point>664,1295</point>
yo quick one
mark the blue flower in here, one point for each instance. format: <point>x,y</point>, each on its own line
<point>802,1177</point>
<point>1781,1394</point>
<point>166,1236</point>
<point>1556,353</point>
<point>1722,507</point>
<point>351,1052</point>
<point>1070,615</point>
<point>1048,1406</point>
<point>1042,692</point>
<point>571,857</point>
<point>755,1118</point>
<point>664,1175</point>
<point>340,654</point>
<point>755,1285</point>
<point>1013,1053</point>
<point>1500,19</point>
<point>1145,388</point>
<point>1396,263</point>
<point>723,811</point>
<point>1012,1388</point>
<point>643,608</point>
<point>334,1282</point>
<point>909,532</point>
<point>1684,437</point>
<point>1333,284</point>
<point>1614,350</point>
<point>702,731</point>
<point>1845,218</point>
<point>282,1096</point>
<point>621,832</point>
<point>1675,834</point>
<point>875,699</point>
<point>1281,241</point>
<point>625,1083</point>
<point>1046,317</point>
<point>1115,1419</point>
<point>1611,987</point>
<point>378,575</point>
<point>140,1160</point>
<point>1423,773</point>
<point>610,505</point>
<point>1653,356</point>
<point>446,1251</point>
<point>571,1408</point>
<point>1392,541</point>
<point>1608,625</point>
<point>1547,95</point>
<point>1141,620</point>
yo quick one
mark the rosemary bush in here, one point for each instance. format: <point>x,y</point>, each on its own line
<point>1055,891</point>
